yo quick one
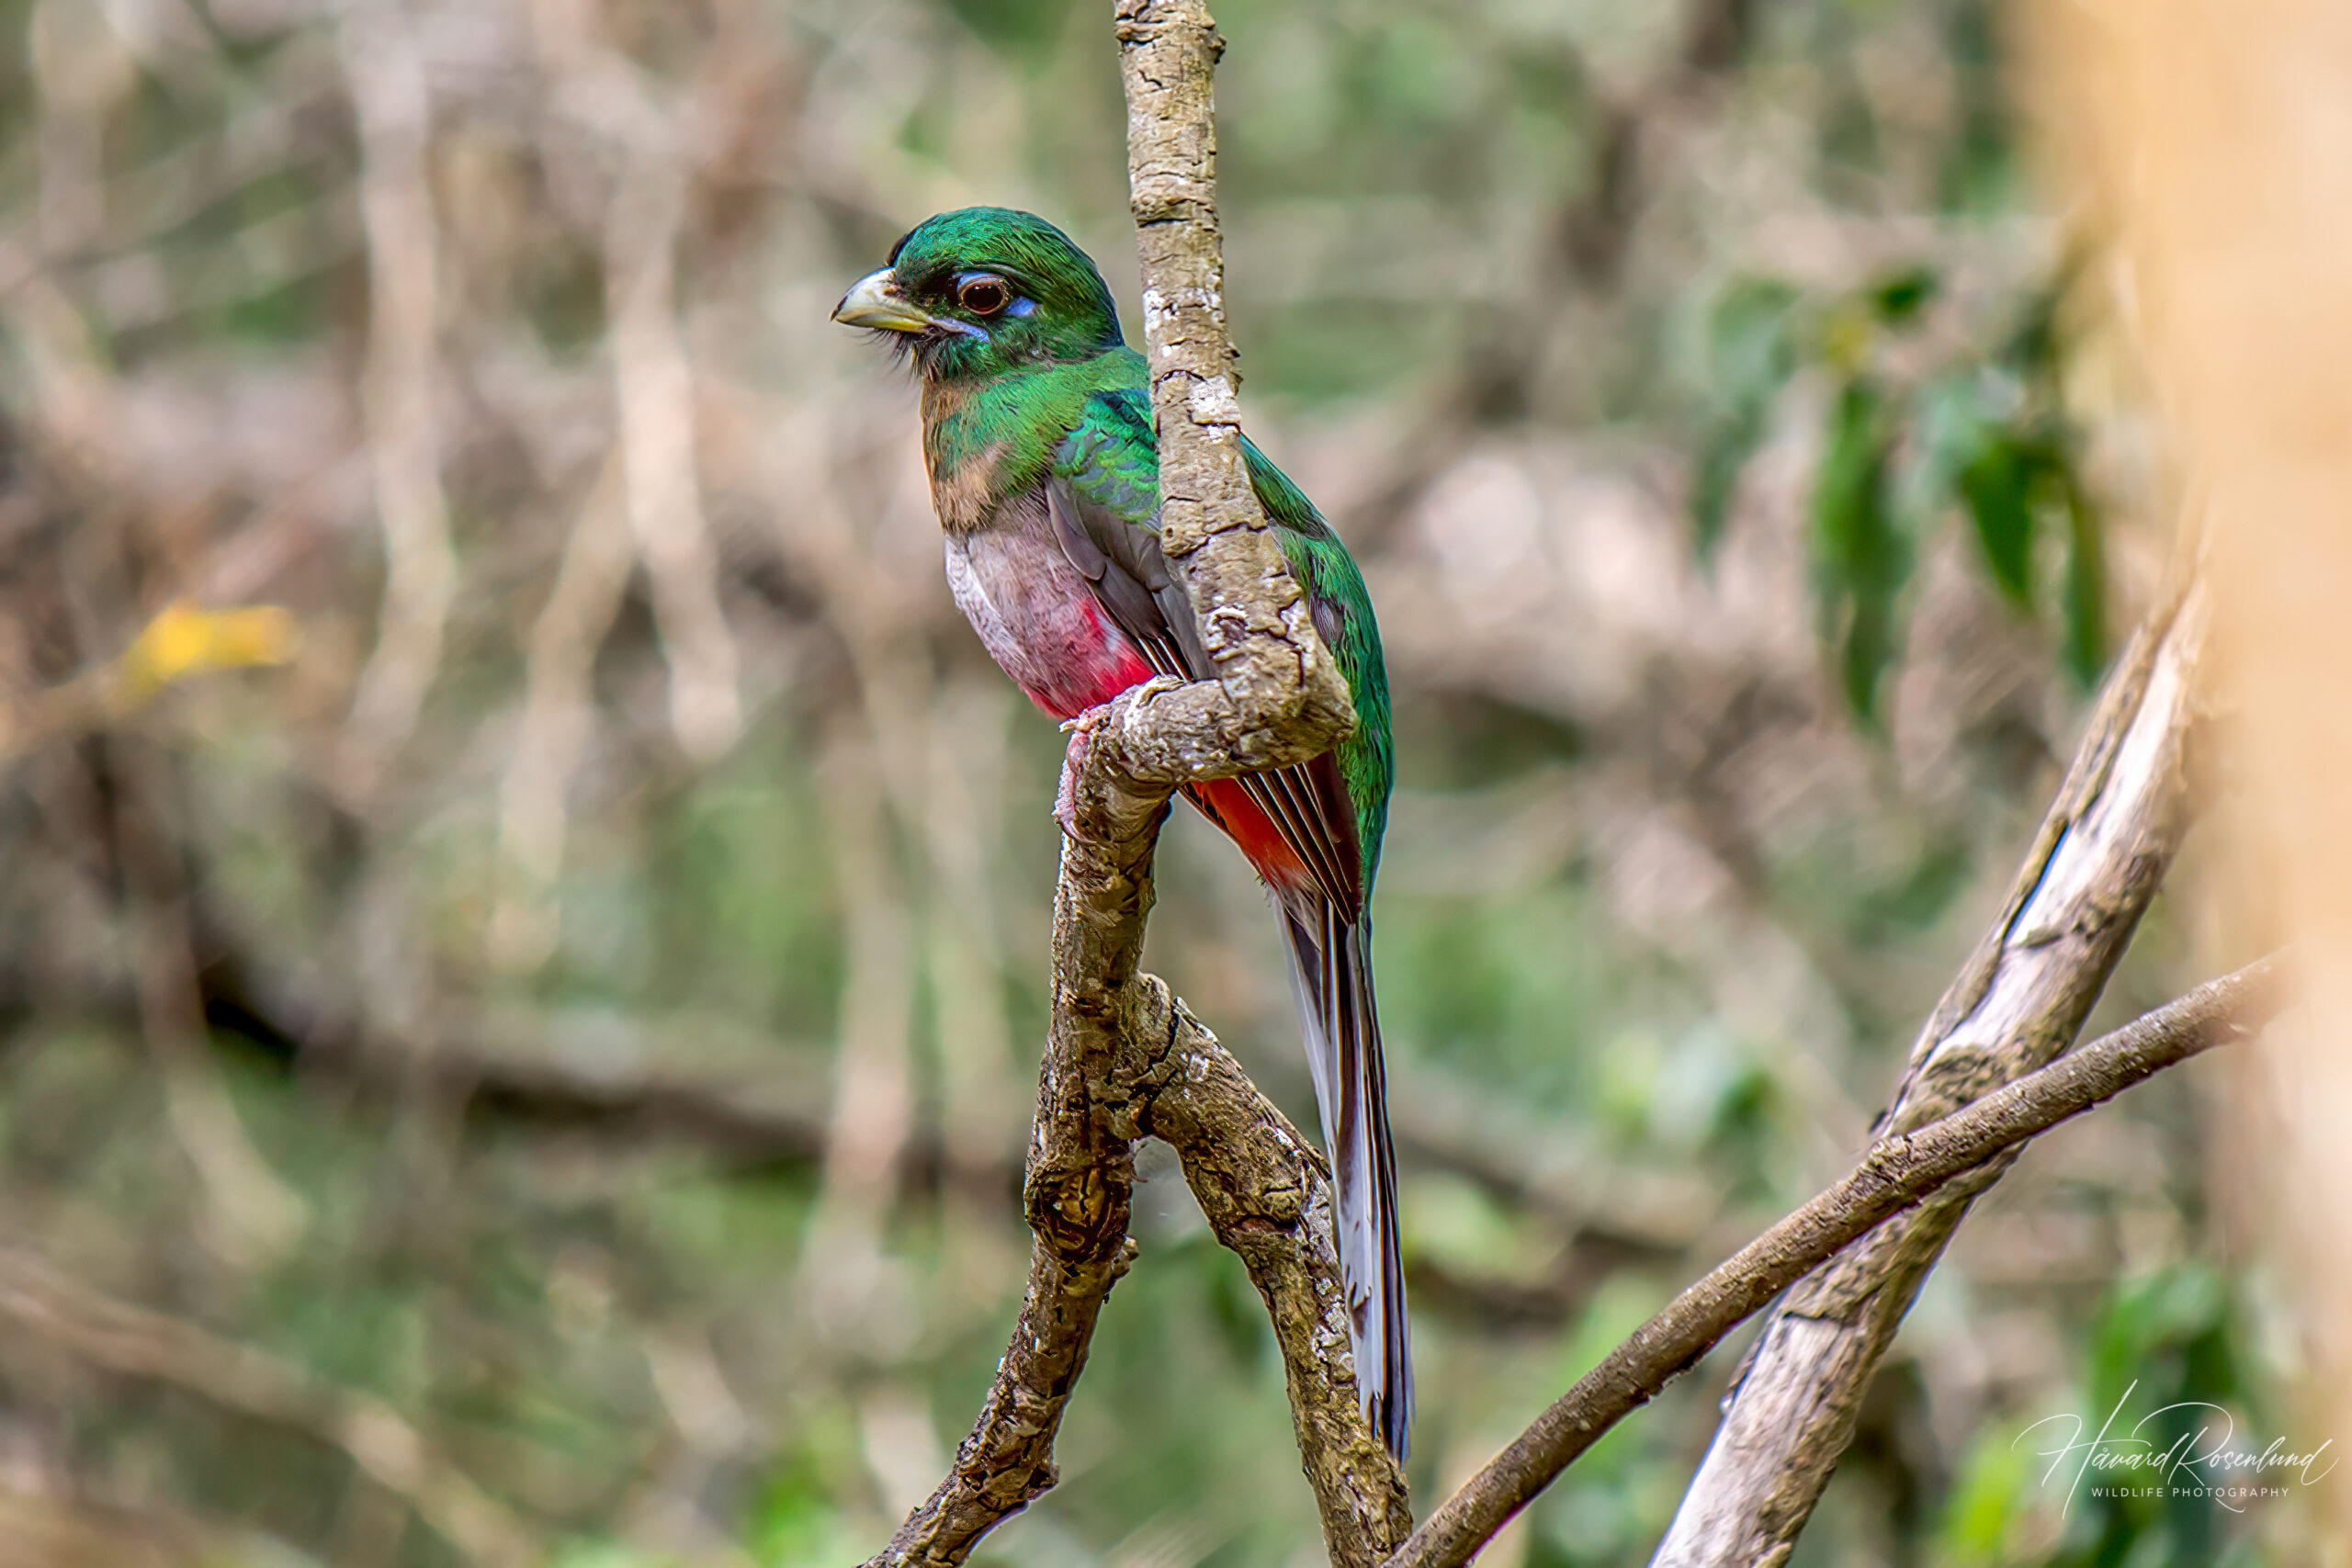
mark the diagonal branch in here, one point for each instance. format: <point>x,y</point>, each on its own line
<point>2019,1001</point>
<point>1262,1184</point>
<point>1960,1152</point>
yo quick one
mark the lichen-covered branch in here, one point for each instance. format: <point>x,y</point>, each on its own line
<point>1905,1166</point>
<point>2019,1001</point>
<point>1288,700</point>
<point>1122,1057</point>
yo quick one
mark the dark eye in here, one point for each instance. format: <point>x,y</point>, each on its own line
<point>983,296</point>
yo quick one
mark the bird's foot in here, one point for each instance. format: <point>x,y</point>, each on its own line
<point>1080,731</point>
<point>1079,756</point>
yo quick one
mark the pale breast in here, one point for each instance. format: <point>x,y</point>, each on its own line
<point>1036,614</point>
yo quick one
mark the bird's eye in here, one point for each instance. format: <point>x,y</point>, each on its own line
<point>983,296</point>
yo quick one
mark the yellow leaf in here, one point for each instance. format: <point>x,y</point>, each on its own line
<point>184,641</point>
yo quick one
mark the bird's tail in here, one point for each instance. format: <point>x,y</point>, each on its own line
<point>1333,973</point>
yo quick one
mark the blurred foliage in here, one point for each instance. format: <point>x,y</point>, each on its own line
<point>579,1005</point>
<point>2166,1374</point>
<point>1946,434</point>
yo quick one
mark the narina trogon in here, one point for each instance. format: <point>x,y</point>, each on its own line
<point>1037,430</point>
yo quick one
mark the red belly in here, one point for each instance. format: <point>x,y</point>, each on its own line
<point>1041,622</point>
<point>1111,666</point>
<point>1091,664</point>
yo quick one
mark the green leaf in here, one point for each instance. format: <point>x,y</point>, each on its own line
<point>1995,1488</point>
<point>1747,340</point>
<point>1724,453</point>
<point>2085,606</point>
<point>1751,356</point>
<point>1903,295</point>
<point>2032,348</point>
<point>1996,482</point>
<point>1859,558</point>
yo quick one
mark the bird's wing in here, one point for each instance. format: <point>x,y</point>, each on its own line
<point>1103,501</point>
<point>1104,498</point>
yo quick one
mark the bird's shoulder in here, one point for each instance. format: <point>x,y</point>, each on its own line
<point>1109,456</point>
<point>1103,495</point>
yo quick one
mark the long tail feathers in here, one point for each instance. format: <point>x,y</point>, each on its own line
<point>1333,973</point>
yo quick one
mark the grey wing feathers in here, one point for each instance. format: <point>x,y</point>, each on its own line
<point>1131,582</point>
<point>1121,561</point>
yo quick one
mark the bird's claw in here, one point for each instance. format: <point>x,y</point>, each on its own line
<point>1080,731</point>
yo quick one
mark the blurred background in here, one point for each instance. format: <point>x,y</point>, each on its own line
<point>524,928</point>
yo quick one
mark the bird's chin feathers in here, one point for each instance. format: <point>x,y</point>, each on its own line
<point>899,345</point>
<point>914,353</point>
<point>931,354</point>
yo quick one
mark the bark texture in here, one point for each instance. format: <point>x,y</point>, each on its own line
<point>1261,1182</point>
<point>1254,620</point>
<point>1905,1174</point>
<point>2019,1001</point>
<point>1126,1058</point>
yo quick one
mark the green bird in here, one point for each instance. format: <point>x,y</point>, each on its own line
<point>1044,471</point>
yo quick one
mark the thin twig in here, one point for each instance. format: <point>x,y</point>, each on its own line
<point>249,1215</point>
<point>559,721</point>
<point>607,102</point>
<point>1898,1172</point>
<point>393,107</point>
<point>653,383</point>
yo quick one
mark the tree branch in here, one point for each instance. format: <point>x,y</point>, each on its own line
<point>1262,1184</point>
<point>1122,1056</point>
<point>1081,1168</point>
<point>2019,1001</point>
<point>1900,1170</point>
<point>1287,700</point>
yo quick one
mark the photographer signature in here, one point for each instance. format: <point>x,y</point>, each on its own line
<point>2201,1463</point>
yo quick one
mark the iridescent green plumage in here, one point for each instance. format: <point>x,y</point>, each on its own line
<point>1112,457</point>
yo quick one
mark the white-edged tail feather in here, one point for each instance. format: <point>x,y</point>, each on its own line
<point>1333,974</point>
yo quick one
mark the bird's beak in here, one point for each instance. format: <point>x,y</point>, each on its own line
<point>875,301</point>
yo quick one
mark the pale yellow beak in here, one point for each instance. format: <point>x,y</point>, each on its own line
<point>875,301</point>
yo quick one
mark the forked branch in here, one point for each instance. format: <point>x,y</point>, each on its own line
<point>1122,1057</point>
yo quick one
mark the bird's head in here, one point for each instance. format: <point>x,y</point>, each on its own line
<point>982,291</point>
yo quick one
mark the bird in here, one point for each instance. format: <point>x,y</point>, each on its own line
<point>1038,434</point>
